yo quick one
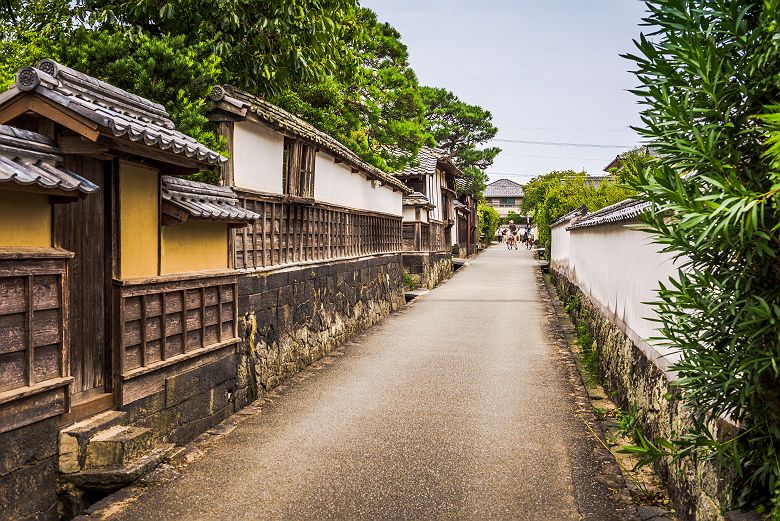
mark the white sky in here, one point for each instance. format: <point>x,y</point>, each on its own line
<point>547,70</point>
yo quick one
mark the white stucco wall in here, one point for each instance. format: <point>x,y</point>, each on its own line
<point>257,157</point>
<point>620,269</point>
<point>335,183</point>
<point>435,182</point>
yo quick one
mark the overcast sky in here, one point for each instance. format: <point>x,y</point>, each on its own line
<point>547,71</point>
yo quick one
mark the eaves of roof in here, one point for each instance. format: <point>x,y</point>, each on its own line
<point>117,112</point>
<point>281,119</point>
<point>625,210</point>
<point>31,160</point>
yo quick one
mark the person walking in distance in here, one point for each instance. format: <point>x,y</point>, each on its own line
<point>513,232</point>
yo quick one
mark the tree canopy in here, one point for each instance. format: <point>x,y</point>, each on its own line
<point>549,197</point>
<point>331,62</point>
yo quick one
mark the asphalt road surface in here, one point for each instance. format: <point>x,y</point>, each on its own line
<point>461,406</point>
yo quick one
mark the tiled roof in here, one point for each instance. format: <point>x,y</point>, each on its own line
<point>202,201</point>
<point>503,188</point>
<point>120,113</point>
<point>428,159</point>
<point>619,212</point>
<point>280,118</point>
<point>416,199</point>
<point>30,159</point>
<point>582,210</point>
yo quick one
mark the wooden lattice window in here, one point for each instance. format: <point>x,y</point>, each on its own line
<point>298,169</point>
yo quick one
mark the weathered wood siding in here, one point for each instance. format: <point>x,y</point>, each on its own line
<point>80,227</point>
<point>290,233</point>
<point>164,323</point>
<point>33,336</point>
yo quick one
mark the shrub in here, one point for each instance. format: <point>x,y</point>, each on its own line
<point>709,83</point>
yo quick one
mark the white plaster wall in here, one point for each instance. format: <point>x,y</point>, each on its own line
<point>258,153</point>
<point>335,183</point>
<point>620,268</point>
<point>435,183</point>
<point>409,214</point>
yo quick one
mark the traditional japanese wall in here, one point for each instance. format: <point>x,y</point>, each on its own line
<point>619,268</point>
<point>194,246</point>
<point>138,220</point>
<point>290,318</point>
<point>257,157</point>
<point>336,184</point>
<point>25,219</point>
<point>607,274</point>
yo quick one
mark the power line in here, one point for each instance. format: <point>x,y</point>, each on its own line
<point>555,157</point>
<point>560,144</point>
<point>627,129</point>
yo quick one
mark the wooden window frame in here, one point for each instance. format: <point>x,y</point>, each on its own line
<point>298,164</point>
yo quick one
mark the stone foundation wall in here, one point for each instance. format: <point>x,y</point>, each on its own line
<point>28,472</point>
<point>293,317</point>
<point>191,402</point>
<point>428,268</point>
<point>698,490</point>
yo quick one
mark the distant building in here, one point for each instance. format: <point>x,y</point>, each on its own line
<point>505,196</point>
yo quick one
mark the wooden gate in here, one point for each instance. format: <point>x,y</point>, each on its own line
<point>84,228</point>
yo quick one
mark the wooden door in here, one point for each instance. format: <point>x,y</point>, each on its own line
<point>84,228</point>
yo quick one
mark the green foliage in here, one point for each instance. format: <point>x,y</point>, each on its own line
<point>376,110</point>
<point>514,217</point>
<point>549,197</point>
<point>409,281</point>
<point>461,130</point>
<point>488,222</point>
<point>265,45</point>
<point>709,81</point>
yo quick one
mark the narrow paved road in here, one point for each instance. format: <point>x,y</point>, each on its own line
<point>458,407</point>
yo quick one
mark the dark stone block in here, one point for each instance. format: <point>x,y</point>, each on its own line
<point>147,406</point>
<point>30,491</point>
<point>277,280</point>
<point>33,442</point>
<point>198,380</point>
<point>249,284</point>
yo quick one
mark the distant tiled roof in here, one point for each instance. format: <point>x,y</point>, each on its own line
<point>280,118</point>
<point>619,212</point>
<point>428,159</point>
<point>121,113</point>
<point>503,188</point>
<point>582,210</point>
<point>30,159</point>
<point>416,199</point>
<point>202,201</point>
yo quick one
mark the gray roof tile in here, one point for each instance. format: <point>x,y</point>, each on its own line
<point>123,114</point>
<point>30,159</point>
<point>205,202</point>
<point>503,188</point>
<point>428,159</point>
<point>623,211</point>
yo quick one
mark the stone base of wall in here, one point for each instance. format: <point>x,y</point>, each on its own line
<point>28,472</point>
<point>190,403</point>
<point>699,491</point>
<point>429,268</point>
<point>292,318</point>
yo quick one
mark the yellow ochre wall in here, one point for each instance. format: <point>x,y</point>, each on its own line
<point>25,219</point>
<point>194,246</point>
<point>138,218</point>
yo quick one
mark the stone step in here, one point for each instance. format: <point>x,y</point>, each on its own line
<point>117,447</point>
<point>74,438</point>
<point>113,478</point>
